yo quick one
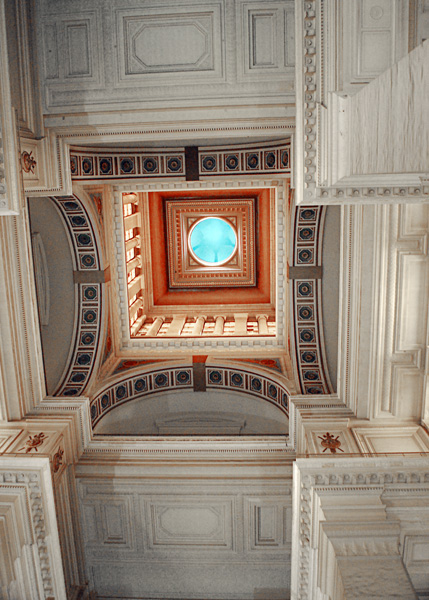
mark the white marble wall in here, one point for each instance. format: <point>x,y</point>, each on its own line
<point>184,539</point>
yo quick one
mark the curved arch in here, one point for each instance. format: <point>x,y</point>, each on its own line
<point>179,376</point>
<point>87,257</point>
<point>306,293</point>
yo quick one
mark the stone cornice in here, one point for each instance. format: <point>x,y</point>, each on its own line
<point>15,475</point>
<point>316,109</point>
<point>348,475</point>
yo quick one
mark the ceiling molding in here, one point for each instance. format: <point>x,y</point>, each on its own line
<point>218,376</point>
<point>89,316</point>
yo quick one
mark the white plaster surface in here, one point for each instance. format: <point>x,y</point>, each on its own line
<point>189,412</point>
<point>330,287</point>
<point>389,127</point>
<point>188,538</point>
<point>57,335</point>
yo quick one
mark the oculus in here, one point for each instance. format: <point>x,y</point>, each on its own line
<point>212,241</point>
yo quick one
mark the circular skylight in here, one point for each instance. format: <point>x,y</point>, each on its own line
<point>212,241</point>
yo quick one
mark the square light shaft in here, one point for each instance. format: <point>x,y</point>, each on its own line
<point>211,242</point>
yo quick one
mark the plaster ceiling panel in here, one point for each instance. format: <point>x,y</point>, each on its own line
<point>184,268</point>
<point>195,413</point>
<point>57,328</point>
<point>167,247</point>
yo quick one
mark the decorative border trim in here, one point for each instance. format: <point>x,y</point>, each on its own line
<point>307,303</point>
<point>397,194</point>
<point>87,257</point>
<point>308,235</point>
<point>306,106</point>
<point>112,164</point>
<point>87,164</point>
<point>279,126</point>
<point>249,382</point>
<point>144,384</point>
<point>256,159</point>
<point>164,379</point>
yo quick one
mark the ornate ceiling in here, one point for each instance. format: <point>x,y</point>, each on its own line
<point>102,337</point>
<point>160,414</point>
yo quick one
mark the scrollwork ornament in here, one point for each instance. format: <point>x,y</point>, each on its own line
<point>331,443</point>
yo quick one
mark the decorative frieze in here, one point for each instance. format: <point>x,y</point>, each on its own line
<point>306,302</point>
<point>87,258</point>
<point>87,164</point>
<point>370,194</point>
<point>152,381</point>
<point>114,164</point>
<point>251,160</point>
<point>248,381</point>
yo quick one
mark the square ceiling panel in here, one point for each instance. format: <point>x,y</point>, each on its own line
<point>211,242</point>
<point>177,279</point>
<point>176,291</point>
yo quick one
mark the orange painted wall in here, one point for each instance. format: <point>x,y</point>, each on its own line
<point>225,295</point>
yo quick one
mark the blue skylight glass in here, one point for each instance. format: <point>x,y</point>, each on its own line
<point>213,241</point>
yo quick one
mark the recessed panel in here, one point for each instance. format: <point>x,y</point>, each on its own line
<point>195,257</point>
<point>188,523</point>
